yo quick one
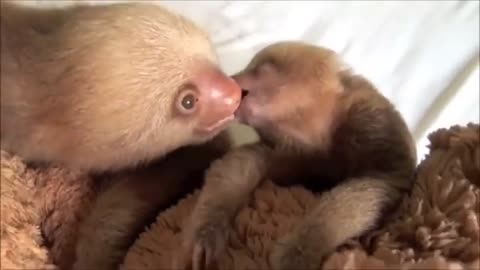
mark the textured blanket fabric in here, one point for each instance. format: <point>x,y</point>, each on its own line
<point>435,227</point>
<point>20,234</point>
<point>41,211</point>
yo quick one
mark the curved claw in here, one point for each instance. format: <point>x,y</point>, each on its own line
<point>202,250</point>
<point>198,257</point>
<point>202,257</point>
<point>208,258</point>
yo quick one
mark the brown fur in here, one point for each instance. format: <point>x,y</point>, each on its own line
<point>97,87</point>
<point>67,196</point>
<point>437,220</point>
<point>90,221</point>
<point>134,196</point>
<point>321,125</point>
<point>435,227</point>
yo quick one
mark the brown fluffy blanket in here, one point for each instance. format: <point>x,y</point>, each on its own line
<point>435,227</point>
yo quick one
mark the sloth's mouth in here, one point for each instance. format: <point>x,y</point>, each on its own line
<point>237,111</point>
<point>218,125</point>
<point>244,93</point>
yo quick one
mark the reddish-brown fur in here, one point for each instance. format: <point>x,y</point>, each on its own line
<point>320,124</point>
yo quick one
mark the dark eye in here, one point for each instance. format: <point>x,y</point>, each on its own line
<point>187,101</point>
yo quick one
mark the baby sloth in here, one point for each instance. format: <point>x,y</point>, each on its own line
<point>319,124</point>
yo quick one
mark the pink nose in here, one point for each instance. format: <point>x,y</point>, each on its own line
<point>220,96</point>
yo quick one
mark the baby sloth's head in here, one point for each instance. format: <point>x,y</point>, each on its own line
<point>289,92</point>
